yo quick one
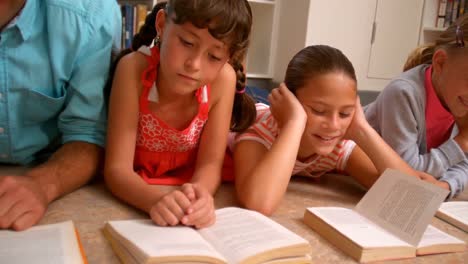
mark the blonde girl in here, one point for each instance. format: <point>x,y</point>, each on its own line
<point>423,113</point>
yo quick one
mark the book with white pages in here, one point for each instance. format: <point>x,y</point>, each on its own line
<point>390,222</point>
<point>455,213</point>
<point>238,236</point>
<point>42,244</point>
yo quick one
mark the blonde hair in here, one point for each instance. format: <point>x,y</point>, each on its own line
<point>447,41</point>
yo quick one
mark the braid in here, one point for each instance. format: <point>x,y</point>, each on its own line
<point>148,31</point>
<point>243,112</point>
<point>144,37</point>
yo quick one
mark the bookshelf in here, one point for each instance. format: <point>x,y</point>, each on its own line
<point>429,31</point>
<point>260,56</point>
<point>133,17</point>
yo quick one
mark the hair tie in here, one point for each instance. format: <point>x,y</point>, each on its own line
<point>240,91</point>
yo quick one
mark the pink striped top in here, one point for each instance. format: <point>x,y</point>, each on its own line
<point>265,131</point>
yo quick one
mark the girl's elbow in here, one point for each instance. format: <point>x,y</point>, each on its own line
<point>262,206</point>
<point>108,172</point>
<point>111,178</point>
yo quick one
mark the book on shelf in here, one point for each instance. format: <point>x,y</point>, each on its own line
<point>448,13</point>
<point>455,9</point>
<point>142,11</point>
<point>133,18</point>
<point>441,13</point>
<point>455,213</point>
<point>463,7</point>
<point>390,222</point>
<point>238,236</point>
<point>52,243</point>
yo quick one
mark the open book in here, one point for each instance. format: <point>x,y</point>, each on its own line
<point>390,222</point>
<point>455,213</point>
<point>238,236</point>
<point>54,243</point>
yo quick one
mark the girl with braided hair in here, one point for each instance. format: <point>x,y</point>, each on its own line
<point>170,107</point>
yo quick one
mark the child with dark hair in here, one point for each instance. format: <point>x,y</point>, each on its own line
<point>423,113</point>
<point>315,125</point>
<point>170,108</point>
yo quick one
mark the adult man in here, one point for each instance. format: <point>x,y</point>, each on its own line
<point>54,62</point>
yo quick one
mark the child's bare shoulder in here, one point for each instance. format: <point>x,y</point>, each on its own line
<point>224,83</point>
<point>134,62</point>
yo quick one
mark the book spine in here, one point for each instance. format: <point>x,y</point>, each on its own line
<point>128,25</point>
<point>135,31</point>
<point>142,11</point>
<point>441,14</point>
<point>462,9</point>
<point>456,4</point>
<point>448,13</point>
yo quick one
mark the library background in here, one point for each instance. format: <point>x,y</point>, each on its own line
<point>376,35</point>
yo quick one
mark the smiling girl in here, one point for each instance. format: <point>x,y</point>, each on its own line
<point>315,125</point>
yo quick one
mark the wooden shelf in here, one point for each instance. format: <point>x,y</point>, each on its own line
<point>259,75</point>
<point>271,2</point>
<point>434,29</point>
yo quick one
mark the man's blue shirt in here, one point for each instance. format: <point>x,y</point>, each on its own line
<point>54,63</point>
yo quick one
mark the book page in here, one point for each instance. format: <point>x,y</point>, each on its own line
<point>356,227</point>
<point>158,241</point>
<point>457,210</point>
<point>434,236</point>
<point>54,243</point>
<point>240,233</point>
<point>401,204</point>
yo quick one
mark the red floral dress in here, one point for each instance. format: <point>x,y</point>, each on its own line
<point>164,155</point>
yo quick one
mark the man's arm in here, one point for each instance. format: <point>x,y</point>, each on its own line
<point>72,166</point>
<point>24,199</point>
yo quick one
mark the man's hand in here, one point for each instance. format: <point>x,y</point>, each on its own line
<point>22,202</point>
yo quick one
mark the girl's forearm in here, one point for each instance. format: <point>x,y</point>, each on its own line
<point>208,176</point>
<point>380,153</point>
<point>267,182</point>
<point>131,188</point>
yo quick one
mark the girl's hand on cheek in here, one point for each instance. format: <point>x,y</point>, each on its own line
<point>358,123</point>
<point>285,107</point>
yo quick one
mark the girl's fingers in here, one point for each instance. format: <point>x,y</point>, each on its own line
<point>168,216</point>
<point>201,213</point>
<point>183,203</point>
<point>157,218</point>
<point>188,190</point>
<point>206,222</point>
